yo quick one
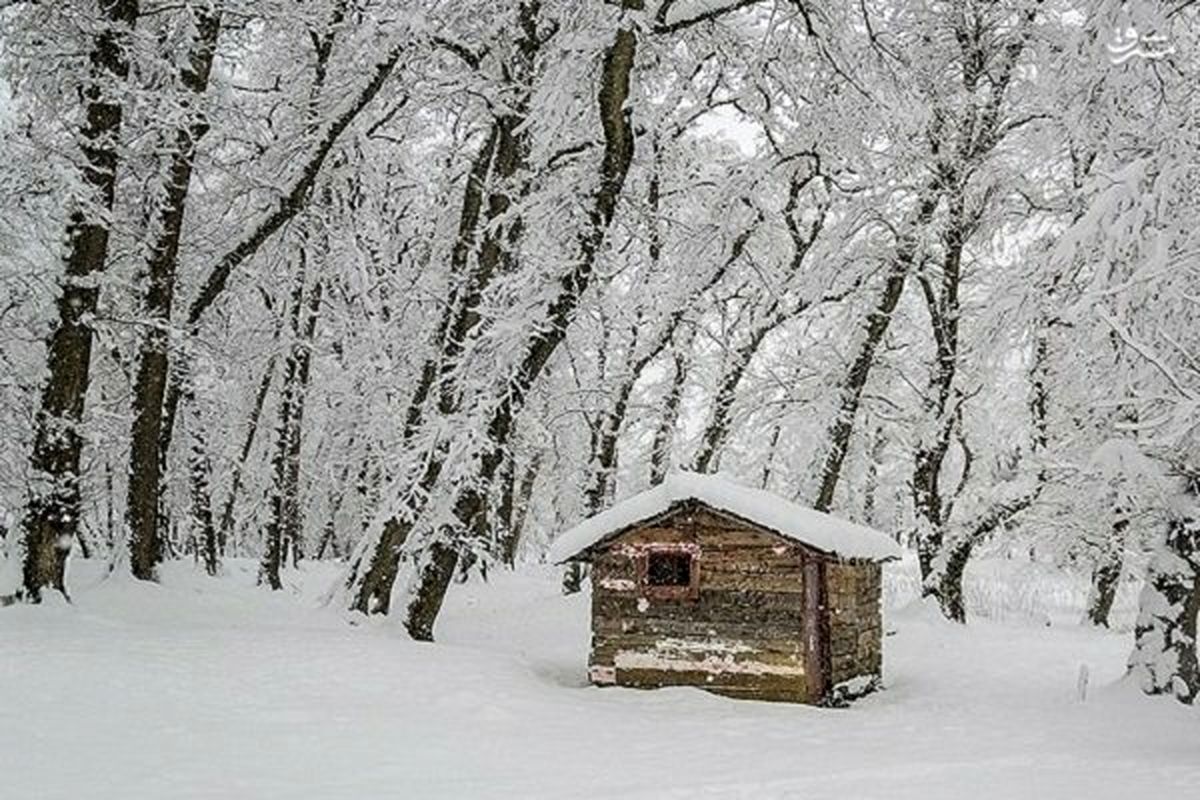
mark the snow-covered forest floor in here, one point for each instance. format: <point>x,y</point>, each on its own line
<point>214,688</point>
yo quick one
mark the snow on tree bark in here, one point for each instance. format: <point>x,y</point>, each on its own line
<point>145,463</point>
<point>52,520</point>
<point>1164,659</point>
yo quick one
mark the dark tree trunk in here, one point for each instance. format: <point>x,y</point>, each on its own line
<point>295,200</point>
<point>470,510</point>
<point>950,585</point>
<point>1164,658</point>
<point>292,527</point>
<point>519,511</point>
<point>489,186</point>
<point>945,583</point>
<point>764,480</point>
<point>52,519</point>
<point>145,463</point>
<point>283,530</point>
<point>573,576</point>
<point>878,320</point>
<point>204,532</point>
<point>1106,577</point>
<point>932,449</point>
<point>434,579</point>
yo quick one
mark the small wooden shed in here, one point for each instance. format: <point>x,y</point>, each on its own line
<point>703,582</point>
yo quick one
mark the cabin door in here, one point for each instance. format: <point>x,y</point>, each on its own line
<point>816,629</point>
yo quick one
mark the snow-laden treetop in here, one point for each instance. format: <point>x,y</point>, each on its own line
<point>816,529</point>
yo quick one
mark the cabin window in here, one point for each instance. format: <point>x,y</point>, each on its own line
<point>669,572</point>
<point>665,568</point>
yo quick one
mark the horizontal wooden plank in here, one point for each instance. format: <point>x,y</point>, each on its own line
<point>737,581</point>
<point>745,607</point>
<point>755,632</point>
<point>774,651</point>
<point>763,685</point>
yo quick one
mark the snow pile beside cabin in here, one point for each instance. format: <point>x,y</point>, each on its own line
<point>822,531</point>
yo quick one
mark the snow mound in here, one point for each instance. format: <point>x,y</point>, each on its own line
<point>815,528</point>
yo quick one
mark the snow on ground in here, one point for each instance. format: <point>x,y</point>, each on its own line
<point>208,688</point>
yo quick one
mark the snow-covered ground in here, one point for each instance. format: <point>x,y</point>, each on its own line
<point>208,688</point>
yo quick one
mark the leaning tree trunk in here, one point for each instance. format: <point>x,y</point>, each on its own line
<point>51,521</point>
<point>287,207</point>
<point>374,567</point>
<point>1164,659</point>
<point>855,381</point>
<point>949,585</point>
<point>945,582</point>
<point>470,511</point>
<point>717,430</point>
<point>604,445</point>
<point>145,464</point>
<point>488,194</point>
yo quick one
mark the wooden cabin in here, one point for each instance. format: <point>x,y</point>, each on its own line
<point>703,582</point>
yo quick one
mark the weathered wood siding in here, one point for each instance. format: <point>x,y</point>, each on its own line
<point>742,633</point>
<point>855,621</point>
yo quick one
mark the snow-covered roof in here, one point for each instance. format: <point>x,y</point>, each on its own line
<point>817,529</point>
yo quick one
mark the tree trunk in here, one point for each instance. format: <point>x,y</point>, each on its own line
<point>204,532</point>
<point>851,387</point>
<point>716,432</point>
<point>573,575</point>
<point>1106,577</point>
<point>470,513</point>
<point>945,582</point>
<point>226,525</point>
<point>932,449</point>
<point>145,464</point>
<point>664,434</point>
<point>292,527</point>
<point>489,185</point>
<point>764,480</point>
<point>870,511</point>
<point>283,530</point>
<point>289,204</point>
<point>519,511</point>
<point>52,517</point>
<point>712,440</point>
<point>950,582</point>
<point>1164,657</point>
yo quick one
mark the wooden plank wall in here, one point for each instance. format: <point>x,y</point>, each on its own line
<point>742,633</point>
<point>855,621</point>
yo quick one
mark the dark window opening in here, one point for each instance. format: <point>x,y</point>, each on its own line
<point>669,569</point>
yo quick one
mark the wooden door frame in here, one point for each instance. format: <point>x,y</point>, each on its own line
<point>817,664</point>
